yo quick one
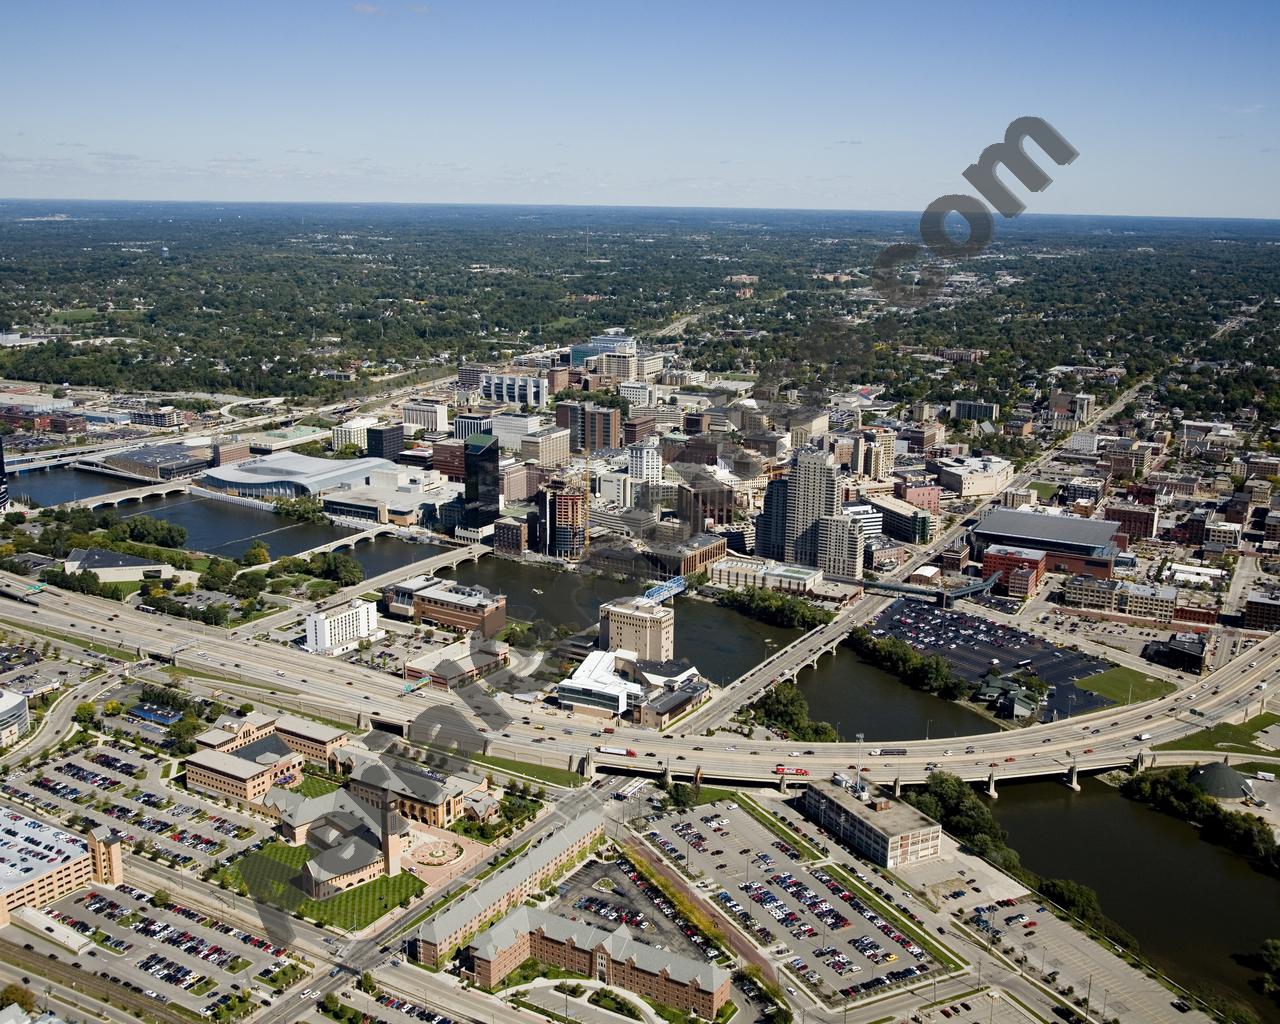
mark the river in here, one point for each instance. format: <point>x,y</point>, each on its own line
<point>1191,905</point>
<point>65,484</point>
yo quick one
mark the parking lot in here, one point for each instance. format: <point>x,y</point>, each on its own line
<point>817,930</point>
<point>973,645</point>
<point>1064,956</point>
<point>115,785</point>
<point>170,953</point>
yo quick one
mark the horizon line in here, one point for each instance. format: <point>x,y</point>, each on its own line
<point>1028,215</point>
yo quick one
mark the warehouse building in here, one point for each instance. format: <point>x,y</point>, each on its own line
<point>887,832</point>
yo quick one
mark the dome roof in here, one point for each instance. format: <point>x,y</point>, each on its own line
<point>1217,779</point>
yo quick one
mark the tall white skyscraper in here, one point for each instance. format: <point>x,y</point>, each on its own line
<point>811,494</point>
<point>644,461</point>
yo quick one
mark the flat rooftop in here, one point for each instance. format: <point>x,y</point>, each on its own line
<point>30,848</point>
<point>896,819</point>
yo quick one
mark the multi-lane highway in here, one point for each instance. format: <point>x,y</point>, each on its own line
<point>311,683</point>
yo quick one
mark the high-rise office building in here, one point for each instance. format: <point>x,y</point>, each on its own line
<point>467,423</point>
<point>560,528</point>
<point>644,461</point>
<point>591,427</point>
<point>481,482</point>
<point>811,494</point>
<point>385,441</point>
<point>771,524</point>
<point>880,451</point>
<point>430,416</point>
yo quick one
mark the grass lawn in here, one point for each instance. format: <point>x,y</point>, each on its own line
<point>1253,767</point>
<point>1227,737</point>
<point>269,875</point>
<point>76,316</point>
<point>609,1000</point>
<point>532,970</point>
<point>313,786</point>
<point>709,795</point>
<point>503,860</point>
<point>1114,685</point>
<point>542,772</point>
<point>1044,491</point>
<point>443,901</point>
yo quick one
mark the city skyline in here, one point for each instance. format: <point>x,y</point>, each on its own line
<point>830,108</point>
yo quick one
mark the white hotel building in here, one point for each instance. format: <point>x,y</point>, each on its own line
<point>337,632</point>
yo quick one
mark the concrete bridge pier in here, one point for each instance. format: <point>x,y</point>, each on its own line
<point>1073,781</point>
<point>782,784</point>
<point>991,786</point>
<point>897,786</point>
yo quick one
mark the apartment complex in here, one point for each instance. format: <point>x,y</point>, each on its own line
<point>435,941</point>
<point>548,447</point>
<point>1021,569</point>
<point>811,493</point>
<point>1262,610</point>
<point>903,520</point>
<point>614,957</point>
<point>1120,597</point>
<point>1139,522</point>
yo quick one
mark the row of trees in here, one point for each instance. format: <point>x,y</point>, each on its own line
<point>774,608</point>
<point>930,673</point>
<point>783,708</point>
<point>1174,793</point>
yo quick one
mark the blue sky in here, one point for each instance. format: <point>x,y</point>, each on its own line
<point>1173,106</point>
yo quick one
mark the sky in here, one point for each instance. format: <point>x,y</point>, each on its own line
<point>1174,106</point>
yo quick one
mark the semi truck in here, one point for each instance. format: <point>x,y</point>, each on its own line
<point>618,751</point>
<point>782,770</point>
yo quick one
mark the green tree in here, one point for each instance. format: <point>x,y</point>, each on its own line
<point>86,713</point>
<point>15,993</point>
<point>256,553</point>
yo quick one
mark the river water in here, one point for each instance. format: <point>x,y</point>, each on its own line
<point>1190,905</point>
